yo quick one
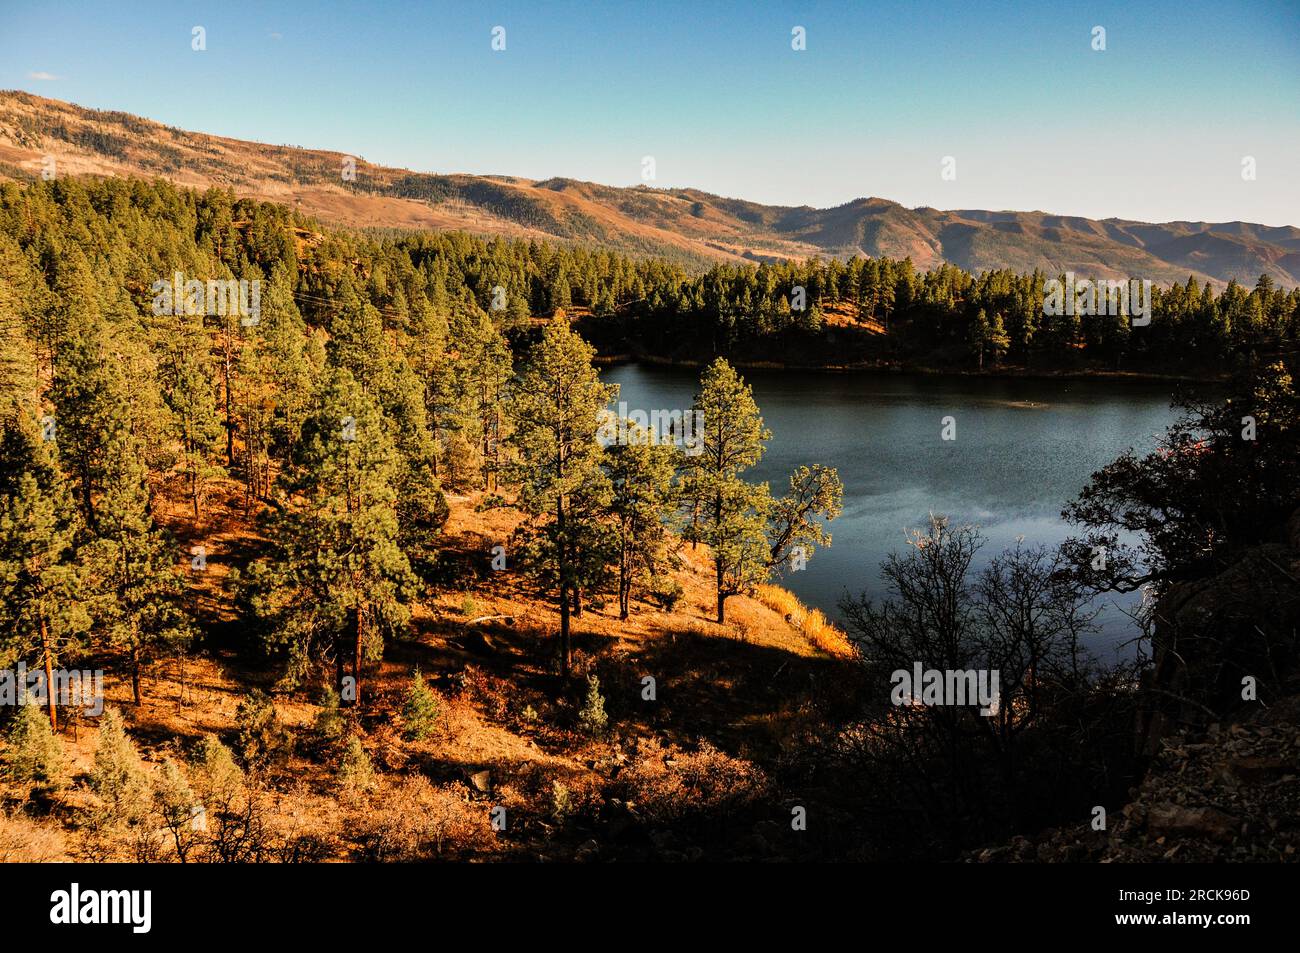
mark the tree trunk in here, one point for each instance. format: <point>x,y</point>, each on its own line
<point>490,454</point>
<point>180,688</point>
<point>564,631</point>
<point>624,587</point>
<point>88,503</point>
<point>717,560</point>
<point>565,658</point>
<point>49,674</point>
<point>356,657</point>
<point>135,677</point>
<point>722,598</point>
<point>134,658</point>
<point>230,408</point>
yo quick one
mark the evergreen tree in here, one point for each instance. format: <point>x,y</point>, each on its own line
<point>91,410</point>
<point>355,773</point>
<point>421,507</point>
<point>42,614</point>
<point>555,419</point>
<point>988,338</point>
<point>338,580</point>
<point>729,514</point>
<point>35,754</point>
<point>198,427</point>
<point>420,710</point>
<point>177,806</point>
<point>592,716</point>
<point>217,779</point>
<point>118,777</point>
<point>471,415</point>
<point>977,337</point>
<point>261,737</point>
<point>642,498</point>
<point>138,585</point>
<point>277,384</point>
<point>18,380</point>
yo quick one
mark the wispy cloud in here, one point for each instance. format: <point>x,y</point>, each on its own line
<point>276,36</point>
<point>41,74</point>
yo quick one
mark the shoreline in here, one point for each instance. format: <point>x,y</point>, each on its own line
<point>884,369</point>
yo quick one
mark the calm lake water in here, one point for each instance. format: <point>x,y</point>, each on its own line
<point>1023,448</point>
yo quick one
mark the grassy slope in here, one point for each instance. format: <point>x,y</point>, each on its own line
<point>731,699</point>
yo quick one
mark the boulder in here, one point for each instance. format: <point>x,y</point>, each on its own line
<point>1165,819</point>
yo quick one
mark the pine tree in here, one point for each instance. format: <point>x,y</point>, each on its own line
<point>18,284</point>
<point>355,774</point>
<point>555,420</point>
<point>421,507</point>
<point>338,580</point>
<point>794,529</point>
<point>139,588</point>
<point>357,342</point>
<point>217,779</point>
<point>90,411</point>
<point>178,807</point>
<point>468,398</point>
<point>35,754</point>
<point>977,337</point>
<point>261,737</point>
<point>42,611</point>
<point>592,716</point>
<point>329,722</point>
<point>277,383</point>
<point>593,546</point>
<point>187,379</point>
<point>229,350</point>
<point>118,777</point>
<point>198,426</point>
<point>728,513</point>
<point>998,341</point>
<point>641,474</point>
<point>419,710</point>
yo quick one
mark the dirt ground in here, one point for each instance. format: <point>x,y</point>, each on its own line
<point>698,749</point>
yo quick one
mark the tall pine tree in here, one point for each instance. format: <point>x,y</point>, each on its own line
<point>338,581</point>
<point>555,418</point>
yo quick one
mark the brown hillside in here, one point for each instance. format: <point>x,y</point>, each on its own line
<point>684,224</point>
<point>731,702</point>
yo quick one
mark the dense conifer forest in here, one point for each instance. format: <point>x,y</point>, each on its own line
<point>252,461</point>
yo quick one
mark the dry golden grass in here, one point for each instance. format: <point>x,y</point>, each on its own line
<point>813,623</point>
<point>271,173</point>
<point>24,841</point>
<point>741,687</point>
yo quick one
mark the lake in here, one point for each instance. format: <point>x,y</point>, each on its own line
<point>1023,448</point>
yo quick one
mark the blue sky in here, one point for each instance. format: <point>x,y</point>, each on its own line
<point>1153,128</point>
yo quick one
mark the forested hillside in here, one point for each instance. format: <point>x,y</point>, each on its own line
<point>39,137</point>
<point>268,495</point>
<point>340,519</point>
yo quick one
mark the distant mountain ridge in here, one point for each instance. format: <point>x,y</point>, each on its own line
<point>684,224</point>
